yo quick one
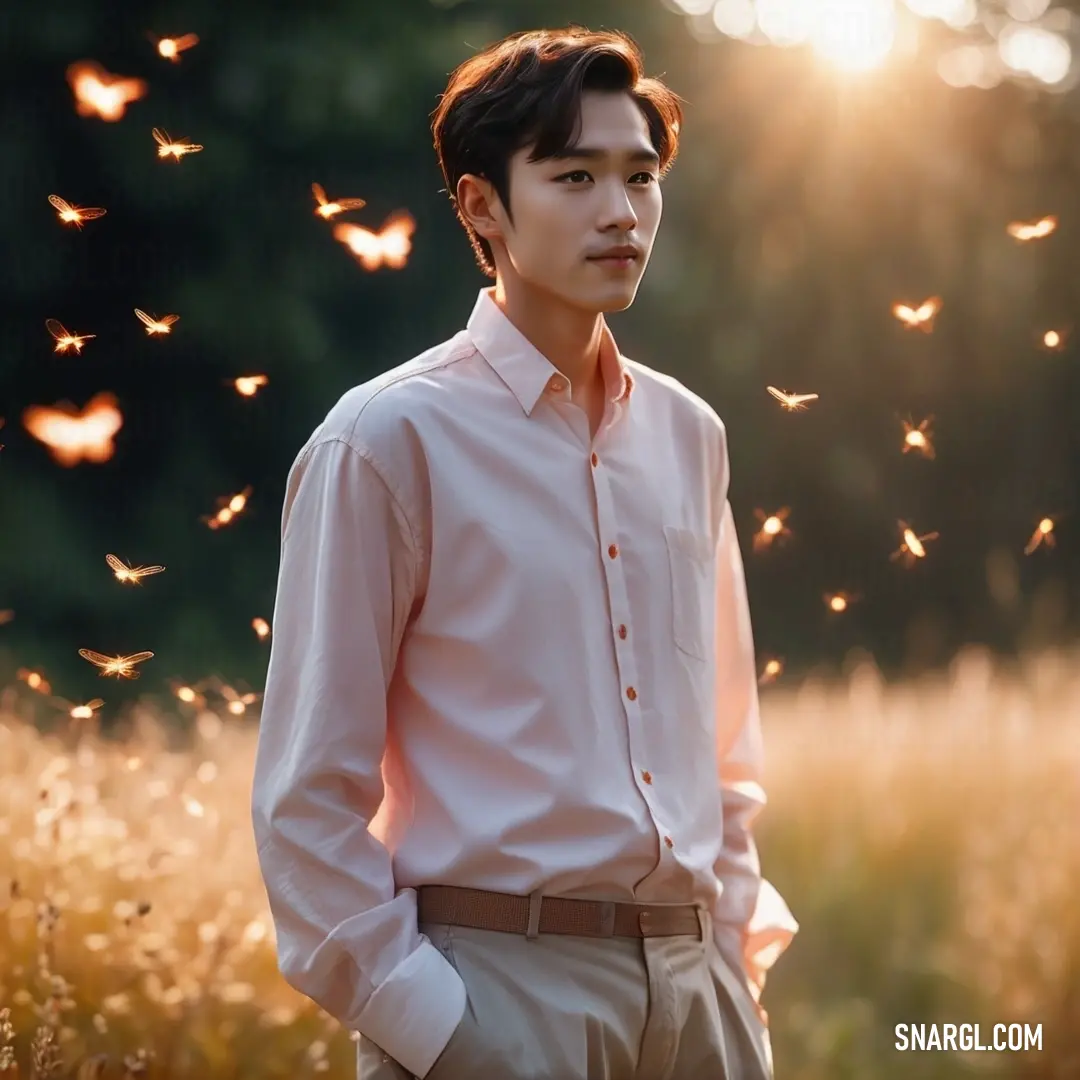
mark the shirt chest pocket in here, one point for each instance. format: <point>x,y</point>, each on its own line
<point>690,559</point>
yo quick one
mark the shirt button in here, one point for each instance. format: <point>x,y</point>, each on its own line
<point>622,631</point>
<point>631,693</point>
<point>595,461</point>
<point>669,841</point>
<point>646,776</point>
<point>556,385</point>
<point>613,551</point>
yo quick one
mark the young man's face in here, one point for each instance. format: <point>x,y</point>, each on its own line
<point>567,211</point>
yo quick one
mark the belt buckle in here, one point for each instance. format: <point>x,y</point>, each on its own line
<point>607,920</point>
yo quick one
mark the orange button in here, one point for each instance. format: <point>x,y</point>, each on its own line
<point>669,841</point>
<point>646,776</point>
<point>595,461</point>
<point>622,631</point>
<point>613,550</point>
<point>631,693</point>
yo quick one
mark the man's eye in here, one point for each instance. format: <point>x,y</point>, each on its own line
<point>581,172</point>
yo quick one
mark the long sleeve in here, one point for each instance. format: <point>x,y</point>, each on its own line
<point>345,937</point>
<point>752,922</point>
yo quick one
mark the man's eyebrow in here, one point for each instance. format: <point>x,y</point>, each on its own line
<point>591,153</point>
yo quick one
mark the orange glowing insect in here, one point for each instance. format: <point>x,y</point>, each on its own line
<point>772,527</point>
<point>238,703</point>
<point>134,574</point>
<point>791,401</point>
<point>247,385</point>
<point>911,547</point>
<point>189,695</point>
<point>6,615</point>
<point>1055,340</point>
<point>34,679</point>
<point>1032,230</point>
<point>840,601</point>
<point>918,318</point>
<point>97,93</point>
<point>64,338</point>
<point>772,670</point>
<point>327,209</point>
<point>261,627</point>
<point>121,666</point>
<point>1043,534</point>
<point>172,47</point>
<point>75,215</point>
<point>156,326</point>
<point>391,245</point>
<point>82,712</point>
<point>918,438</point>
<point>228,507</point>
<point>173,148</point>
<point>71,435</point>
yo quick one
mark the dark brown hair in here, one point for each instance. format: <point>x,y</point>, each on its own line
<point>527,88</point>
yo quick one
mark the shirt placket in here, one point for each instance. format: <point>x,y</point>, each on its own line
<point>622,631</point>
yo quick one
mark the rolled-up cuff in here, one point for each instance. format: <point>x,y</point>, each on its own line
<point>413,1014</point>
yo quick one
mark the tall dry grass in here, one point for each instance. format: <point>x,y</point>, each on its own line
<point>926,836</point>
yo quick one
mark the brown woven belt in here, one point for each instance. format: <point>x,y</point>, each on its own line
<point>456,906</point>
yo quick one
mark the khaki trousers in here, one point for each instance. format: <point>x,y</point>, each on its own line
<point>561,1007</point>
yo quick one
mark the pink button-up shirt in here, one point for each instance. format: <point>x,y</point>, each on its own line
<point>527,650</point>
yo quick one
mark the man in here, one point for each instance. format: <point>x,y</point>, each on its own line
<point>511,612</point>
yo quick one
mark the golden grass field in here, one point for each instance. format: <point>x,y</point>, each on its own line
<point>925,835</point>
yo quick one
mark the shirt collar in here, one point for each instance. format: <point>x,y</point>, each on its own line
<point>524,369</point>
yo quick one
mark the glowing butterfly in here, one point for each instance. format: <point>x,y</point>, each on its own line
<point>135,574</point>
<point>97,93</point>
<point>121,666</point>
<point>918,438</point>
<point>327,209</point>
<point>1033,230</point>
<point>261,627</point>
<point>791,401</point>
<point>772,527</point>
<point>169,148</point>
<point>64,338</point>
<point>156,326</point>
<point>920,318</point>
<point>912,546</point>
<point>71,435</point>
<point>75,215</point>
<point>171,48</point>
<point>1043,534</point>
<point>391,245</point>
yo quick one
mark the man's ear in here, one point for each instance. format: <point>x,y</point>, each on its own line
<point>478,201</point>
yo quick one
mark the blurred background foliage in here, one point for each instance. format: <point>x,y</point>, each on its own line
<point>806,201</point>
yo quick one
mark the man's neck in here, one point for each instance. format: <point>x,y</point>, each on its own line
<point>568,337</point>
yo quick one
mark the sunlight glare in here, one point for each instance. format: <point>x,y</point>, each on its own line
<point>1026,10</point>
<point>854,35</point>
<point>736,18</point>
<point>955,13</point>
<point>1040,53</point>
